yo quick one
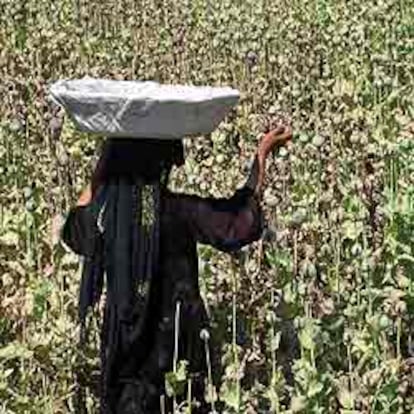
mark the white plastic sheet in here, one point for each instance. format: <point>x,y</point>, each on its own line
<point>143,109</point>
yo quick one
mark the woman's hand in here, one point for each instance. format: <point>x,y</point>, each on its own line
<point>86,197</point>
<point>275,138</point>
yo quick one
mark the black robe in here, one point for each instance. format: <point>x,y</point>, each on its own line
<point>135,380</point>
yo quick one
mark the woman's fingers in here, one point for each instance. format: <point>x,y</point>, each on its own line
<point>283,131</point>
<point>275,138</point>
<point>278,130</point>
<point>279,134</point>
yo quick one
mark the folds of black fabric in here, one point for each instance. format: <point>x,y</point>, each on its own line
<point>131,257</point>
<point>128,255</point>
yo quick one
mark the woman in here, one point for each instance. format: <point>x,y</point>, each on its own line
<point>128,226</point>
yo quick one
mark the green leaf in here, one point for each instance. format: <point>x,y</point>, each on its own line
<point>229,394</point>
<point>298,404</point>
<point>15,350</point>
<point>346,399</point>
<point>9,239</point>
<point>351,229</point>
<point>175,382</point>
<point>181,373</point>
<point>306,337</point>
<point>170,383</point>
<point>40,298</point>
<point>275,341</point>
<point>314,389</point>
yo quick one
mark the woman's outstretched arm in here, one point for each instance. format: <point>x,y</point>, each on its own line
<point>228,224</point>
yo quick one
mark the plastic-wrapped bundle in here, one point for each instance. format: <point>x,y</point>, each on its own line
<point>143,109</point>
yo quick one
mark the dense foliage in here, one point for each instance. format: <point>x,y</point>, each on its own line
<point>330,288</point>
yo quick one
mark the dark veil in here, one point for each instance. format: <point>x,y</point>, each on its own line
<point>127,198</point>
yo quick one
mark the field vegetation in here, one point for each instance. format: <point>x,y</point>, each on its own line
<point>317,317</point>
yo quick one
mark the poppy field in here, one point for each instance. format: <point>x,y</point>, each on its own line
<point>318,316</point>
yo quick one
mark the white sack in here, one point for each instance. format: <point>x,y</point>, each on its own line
<point>143,109</point>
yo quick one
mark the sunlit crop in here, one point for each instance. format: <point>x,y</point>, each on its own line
<point>316,318</point>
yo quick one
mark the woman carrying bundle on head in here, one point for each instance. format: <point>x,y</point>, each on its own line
<point>131,229</point>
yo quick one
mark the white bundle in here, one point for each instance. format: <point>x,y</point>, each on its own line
<point>143,109</point>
